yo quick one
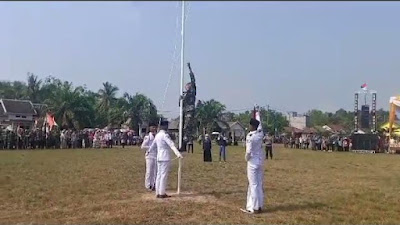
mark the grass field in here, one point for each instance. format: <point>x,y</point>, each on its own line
<point>106,186</point>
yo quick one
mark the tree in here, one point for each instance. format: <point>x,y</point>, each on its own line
<point>317,118</point>
<point>243,118</point>
<point>140,109</point>
<point>107,96</point>
<point>33,89</point>
<point>207,113</point>
<point>382,116</point>
<point>272,120</point>
<point>13,90</point>
<point>70,107</point>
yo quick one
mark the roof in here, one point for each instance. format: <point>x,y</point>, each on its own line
<point>335,127</point>
<point>236,122</point>
<point>292,129</point>
<point>1,109</point>
<point>17,106</point>
<point>223,125</point>
<point>311,130</point>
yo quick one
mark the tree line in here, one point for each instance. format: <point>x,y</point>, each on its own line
<point>78,107</point>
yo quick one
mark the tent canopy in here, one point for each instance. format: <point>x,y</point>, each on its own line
<point>386,126</point>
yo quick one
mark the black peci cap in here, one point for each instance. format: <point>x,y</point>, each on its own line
<point>254,122</point>
<point>164,123</point>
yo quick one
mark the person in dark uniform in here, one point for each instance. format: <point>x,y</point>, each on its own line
<point>190,145</point>
<point>207,149</point>
<point>189,106</point>
<point>32,136</point>
<point>13,140</point>
<point>6,139</point>
<point>268,146</point>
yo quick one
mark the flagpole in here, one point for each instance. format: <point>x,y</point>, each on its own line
<point>181,94</point>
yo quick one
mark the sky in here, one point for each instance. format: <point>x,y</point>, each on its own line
<point>293,56</point>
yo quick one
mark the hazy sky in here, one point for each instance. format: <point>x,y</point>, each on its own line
<point>292,55</point>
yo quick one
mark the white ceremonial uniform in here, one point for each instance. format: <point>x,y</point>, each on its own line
<point>151,161</point>
<point>162,144</point>
<point>255,170</point>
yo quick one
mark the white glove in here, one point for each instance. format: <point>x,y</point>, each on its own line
<point>247,157</point>
<point>147,153</point>
<point>180,156</point>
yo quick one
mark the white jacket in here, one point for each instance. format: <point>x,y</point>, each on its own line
<point>147,142</point>
<point>162,144</point>
<point>254,150</point>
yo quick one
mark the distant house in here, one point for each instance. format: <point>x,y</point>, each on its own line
<point>292,131</point>
<point>308,130</point>
<point>17,113</point>
<point>221,127</point>
<point>298,121</point>
<point>173,127</point>
<point>237,131</point>
<point>234,129</point>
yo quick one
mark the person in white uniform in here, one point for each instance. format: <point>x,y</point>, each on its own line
<point>255,168</point>
<point>151,158</point>
<point>162,144</point>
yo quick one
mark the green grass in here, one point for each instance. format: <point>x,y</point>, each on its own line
<point>106,186</point>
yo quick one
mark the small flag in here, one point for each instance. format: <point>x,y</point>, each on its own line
<point>256,115</point>
<point>51,121</point>
<point>364,86</point>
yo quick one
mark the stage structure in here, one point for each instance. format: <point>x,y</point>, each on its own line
<point>365,119</point>
<point>365,125</point>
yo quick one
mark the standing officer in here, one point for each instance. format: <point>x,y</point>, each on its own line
<point>255,168</point>
<point>268,146</point>
<point>162,144</point>
<point>151,158</point>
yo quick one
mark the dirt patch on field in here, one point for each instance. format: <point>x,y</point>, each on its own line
<point>183,196</point>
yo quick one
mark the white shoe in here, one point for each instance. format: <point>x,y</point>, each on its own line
<point>246,211</point>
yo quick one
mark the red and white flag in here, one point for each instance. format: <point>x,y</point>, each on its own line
<point>364,86</point>
<point>257,116</point>
<point>51,121</point>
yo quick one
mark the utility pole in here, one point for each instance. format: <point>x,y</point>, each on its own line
<point>267,116</point>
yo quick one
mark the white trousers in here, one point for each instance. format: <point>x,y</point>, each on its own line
<point>255,192</point>
<point>151,172</point>
<point>162,177</point>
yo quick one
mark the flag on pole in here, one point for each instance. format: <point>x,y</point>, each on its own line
<point>364,86</point>
<point>51,120</point>
<point>257,116</point>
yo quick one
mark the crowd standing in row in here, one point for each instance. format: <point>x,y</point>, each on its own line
<point>66,139</point>
<point>332,143</point>
<point>319,143</point>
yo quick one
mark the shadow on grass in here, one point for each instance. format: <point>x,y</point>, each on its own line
<point>225,192</point>
<point>295,207</point>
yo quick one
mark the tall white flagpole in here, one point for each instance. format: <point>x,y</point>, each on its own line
<point>181,94</point>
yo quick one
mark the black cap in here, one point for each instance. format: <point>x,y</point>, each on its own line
<point>164,123</point>
<point>254,122</point>
<point>152,124</point>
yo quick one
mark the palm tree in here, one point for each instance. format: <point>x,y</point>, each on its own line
<point>140,109</point>
<point>208,113</point>
<point>107,96</point>
<point>70,107</point>
<point>34,85</point>
<point>13,90</point>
